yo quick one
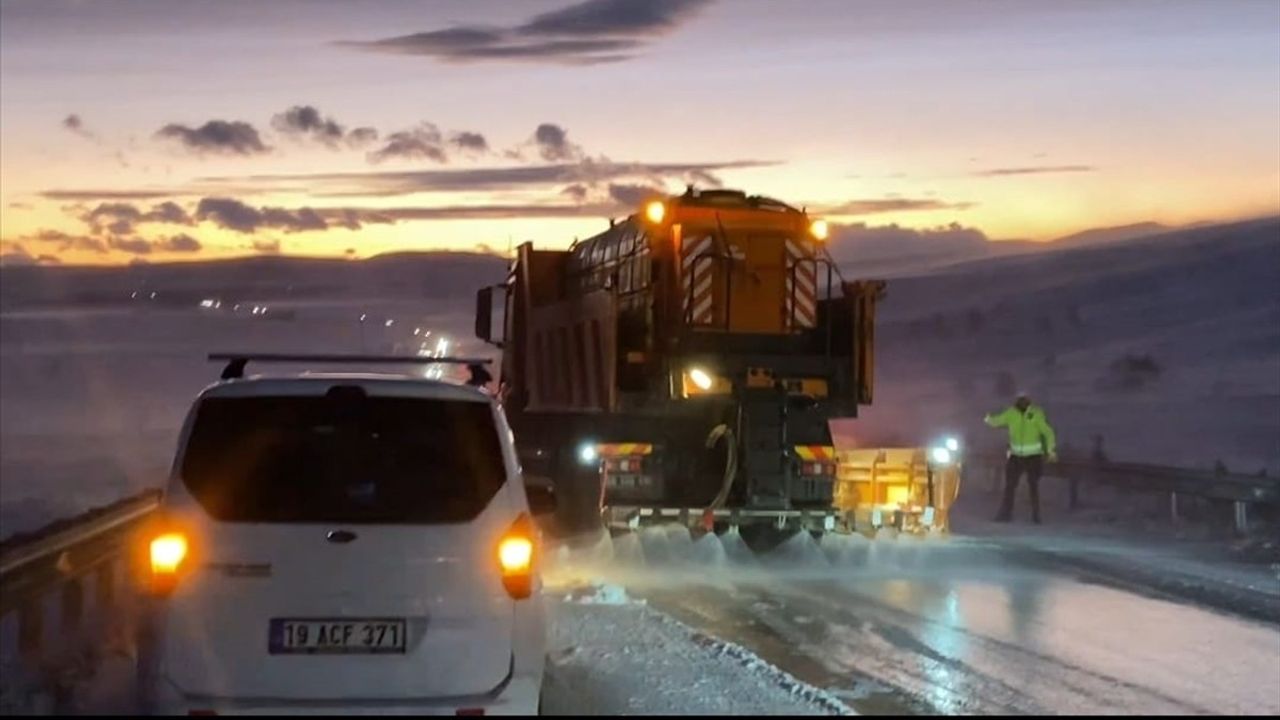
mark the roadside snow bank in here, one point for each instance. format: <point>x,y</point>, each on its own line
<point>612,656</point>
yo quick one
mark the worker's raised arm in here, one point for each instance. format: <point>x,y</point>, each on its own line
<point>999,419</point>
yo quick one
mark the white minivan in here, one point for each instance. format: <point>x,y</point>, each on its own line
<point>344,543</point>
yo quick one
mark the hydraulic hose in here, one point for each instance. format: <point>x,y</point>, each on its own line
<point>730,465</point>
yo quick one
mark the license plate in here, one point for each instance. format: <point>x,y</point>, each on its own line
<point>336,635</point>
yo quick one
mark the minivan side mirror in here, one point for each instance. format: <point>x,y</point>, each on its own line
<point>542,499</point>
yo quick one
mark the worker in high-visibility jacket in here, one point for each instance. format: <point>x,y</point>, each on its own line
<point>1031,440</point>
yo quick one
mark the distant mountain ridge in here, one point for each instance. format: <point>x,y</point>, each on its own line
<point>898,252</point>
<point>430,275</point>
<point>861,252</point>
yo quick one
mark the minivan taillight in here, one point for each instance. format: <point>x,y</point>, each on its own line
<point>167,552</point>
<point>515,558</point>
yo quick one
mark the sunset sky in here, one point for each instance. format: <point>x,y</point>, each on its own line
<point>180,130</point>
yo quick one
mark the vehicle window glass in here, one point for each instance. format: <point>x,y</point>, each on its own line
<point>624,274</point>
<point>343,459</point>
<point>640,279</point>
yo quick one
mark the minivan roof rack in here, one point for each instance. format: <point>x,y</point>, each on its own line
<point>237,361</point>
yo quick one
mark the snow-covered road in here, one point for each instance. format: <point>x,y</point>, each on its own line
<point>973,625</point>
<point>611,655</point>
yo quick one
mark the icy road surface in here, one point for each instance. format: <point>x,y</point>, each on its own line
<point>968,627</point>
<point>612,656</point>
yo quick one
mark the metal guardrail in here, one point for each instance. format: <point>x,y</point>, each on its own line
<point>61,585</point>
<point>1241,490</point>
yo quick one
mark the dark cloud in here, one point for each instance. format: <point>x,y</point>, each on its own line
<point>232,214</point>
<point>613,18</point>
<point>469,141</point>
<point>122,218</point>
<point>577,191</point>
<point>353,219</point>
<point>85,195</point>
<point>553,143</point>
<point>293,220</point>
<point>216,136</point>
<point>74,124</point>
<point>382,184</point>
<point>112,214</point>
<point>180,243</point>
<point>883,205</point>
<point>304,121</point>
<point>704,178</point>
<point>361,136</point>
<point>168,212</point>
<point>420,143</point>
<point>480,44</point>
<point>347,218</point>
<point>1034,170</point>
<point>484,212</point>
<point>66,241</point>
<point>134,245</point>
<point>632,195</point>
<point>586,33</point>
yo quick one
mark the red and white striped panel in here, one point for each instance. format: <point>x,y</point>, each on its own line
<point>700,276</point>
<point>801,306</point>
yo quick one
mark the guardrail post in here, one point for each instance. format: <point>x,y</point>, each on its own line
<point>72,608</point>
<point>1242,517</point>
<point>30,628</point>
<point>1073,493</point>
<point>104,595</point>
<point>1173,506</point>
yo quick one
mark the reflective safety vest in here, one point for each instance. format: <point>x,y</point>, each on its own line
<point>1029,432</point>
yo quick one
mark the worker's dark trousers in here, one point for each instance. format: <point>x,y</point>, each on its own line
<point>1032,465</point>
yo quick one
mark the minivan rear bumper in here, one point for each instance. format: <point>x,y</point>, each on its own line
<point>515,695</point>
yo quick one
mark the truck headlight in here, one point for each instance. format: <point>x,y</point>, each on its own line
<point>587,453</point>
<point>940,455</point>
<point>700,378</point>
<point>655,211</point>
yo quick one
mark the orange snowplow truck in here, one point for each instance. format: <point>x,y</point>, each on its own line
<point>683,365</point>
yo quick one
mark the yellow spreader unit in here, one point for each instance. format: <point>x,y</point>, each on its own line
<point>910,489</point>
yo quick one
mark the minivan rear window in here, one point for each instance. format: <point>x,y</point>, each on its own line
<point>343,458</point>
